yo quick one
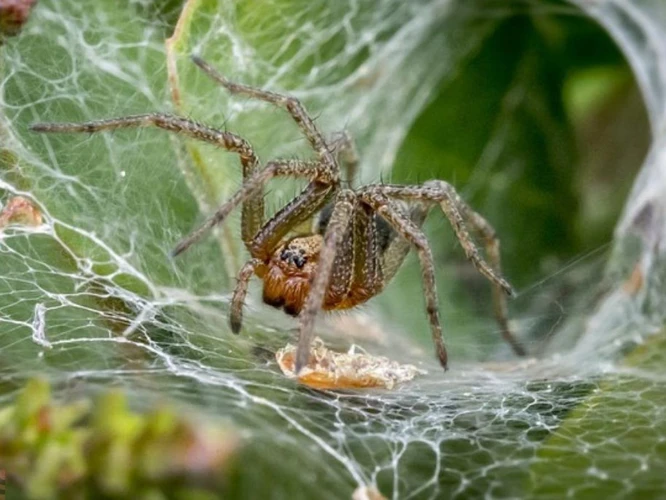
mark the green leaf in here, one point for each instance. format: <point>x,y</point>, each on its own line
<point>614,441</point>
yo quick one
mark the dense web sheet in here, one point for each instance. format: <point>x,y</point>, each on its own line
<point>637,29</point>
<point>91,295</point>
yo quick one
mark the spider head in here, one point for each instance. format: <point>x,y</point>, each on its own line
<point>289,272</point>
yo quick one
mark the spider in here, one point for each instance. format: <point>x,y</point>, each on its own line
<point>360,238</point>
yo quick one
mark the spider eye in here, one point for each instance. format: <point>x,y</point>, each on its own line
<point>294,256</point>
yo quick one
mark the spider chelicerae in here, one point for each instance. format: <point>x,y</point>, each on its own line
<point>361,236</point>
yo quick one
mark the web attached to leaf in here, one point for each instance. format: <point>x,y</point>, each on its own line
<point>89,296</point>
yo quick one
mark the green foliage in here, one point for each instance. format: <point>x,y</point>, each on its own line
<point>616,434</point>
<point>81,450</point>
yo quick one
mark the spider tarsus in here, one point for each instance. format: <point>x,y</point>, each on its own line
<point>442,354</point>
<point>39,127</point>
<point>236,323</point>
<point>180,248</point>
<point>198,60</point>
<point>519,350</point>
<point>302,356</point>
<point>443,357</point>
<point>203,65</point>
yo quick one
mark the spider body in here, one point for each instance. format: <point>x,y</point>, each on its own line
<point>358,269</point>
<point>360,238</point>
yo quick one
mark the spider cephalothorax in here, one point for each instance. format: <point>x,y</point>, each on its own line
<point>361,237</point>
<point>289,271</point>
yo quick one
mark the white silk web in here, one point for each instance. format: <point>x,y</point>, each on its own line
<point>89,296</point>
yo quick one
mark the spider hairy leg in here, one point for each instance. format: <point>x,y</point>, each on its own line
<point>453,207</point>
<point>172,123</point>
<point>344,148</point>
<point>301,208</point>
<point>293,106</point>
<point>451,204</point>
<point>253,210</point>
<point>240,292</point>
<point>459,215</point>
<point>278,168</point>
<point>492,244</point>
<point>387,209</point>
<point>343,210</point>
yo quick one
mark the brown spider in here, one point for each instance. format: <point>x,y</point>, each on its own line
<point>361,237</point>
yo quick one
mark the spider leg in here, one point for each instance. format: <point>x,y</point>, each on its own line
<point>368,276</point>
<point>387,209</point>
<point>492,244</point>
<point>343,147</point>
<point>240,292</point>
<point>253,209</point>
<point>298,210</point>
<point>454,208</point>
<point>460,214</point>
<point>342,213</point>
<point>358,268</point>
<point>293,106</point>
<point>279,168</point>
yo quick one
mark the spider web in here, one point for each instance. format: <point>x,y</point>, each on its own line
<point>90,297</point>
